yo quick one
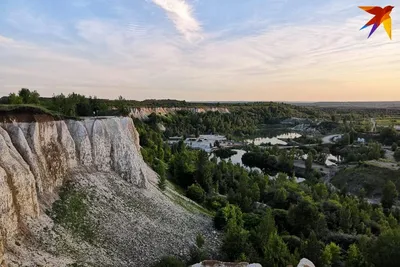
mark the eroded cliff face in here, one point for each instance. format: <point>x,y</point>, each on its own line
<point>36,157</point>
<point>143,113</point>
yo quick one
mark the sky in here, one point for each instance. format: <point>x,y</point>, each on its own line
<point>199,50</point>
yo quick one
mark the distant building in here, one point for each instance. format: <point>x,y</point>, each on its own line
<point>360,140</point>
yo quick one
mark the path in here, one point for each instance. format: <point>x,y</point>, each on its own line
<point>373,128</point>
<point>328,139</point>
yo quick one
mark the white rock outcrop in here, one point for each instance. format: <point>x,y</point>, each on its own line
<point>143,113</point>
<point>305,263</point>
<point>212,263</point>
<point>36,157</point>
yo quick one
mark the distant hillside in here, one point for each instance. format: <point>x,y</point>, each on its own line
<point>372,104</point>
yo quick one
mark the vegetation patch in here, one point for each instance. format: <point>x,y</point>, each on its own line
<point>369,177</point>
<point>72,210</point>
<point>224,153</point>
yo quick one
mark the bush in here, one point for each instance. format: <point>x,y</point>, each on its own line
<point>396,154</point>
<point>224,153</point>
<point>394,146</point>
<point>196,193</point>
<point>169,262</point>
<point>216,202</point>
<point>220,220</point>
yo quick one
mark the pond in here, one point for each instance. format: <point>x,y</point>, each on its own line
<point>236,159</point>
<point>275,140</point>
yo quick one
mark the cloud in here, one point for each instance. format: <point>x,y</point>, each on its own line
<point>181,14</point>
<point>300,62</point>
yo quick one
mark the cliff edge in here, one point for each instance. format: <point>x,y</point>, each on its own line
<point>135,222</point>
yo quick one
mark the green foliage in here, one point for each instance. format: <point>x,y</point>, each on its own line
<point>396,154</point>
<point>224,153</point>
<point>235,240</point>
<point>29,97</point>
<point>388,135</point>
<point>331,255</point>
<point>242,120</point>
<point>200,241</point>
<point>162,172</point>
<point>308,162</point>
<point>169,262</point>
<point>230,212</point>
<point>389,194</point>
<point>276,253</point>
<point>365,152</point>
<point>15,99</point>
<point>394,146</point>
<point>275,221</point>
<point>385,251</point>
<point>72,212</point>
<point>196,193</point>
<point>77,105</point>
<point>355,257</point>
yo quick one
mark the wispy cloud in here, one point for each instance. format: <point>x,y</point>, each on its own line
<point>181,14</point>
<point>308,60</point>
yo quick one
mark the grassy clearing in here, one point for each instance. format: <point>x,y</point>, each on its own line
<point>177,194</point>
<point>369,176</point>
<point>71,211</point>
<point>387,121</point>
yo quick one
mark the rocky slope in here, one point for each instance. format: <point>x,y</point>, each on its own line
<point>135,223</point>
<point>143,113</point>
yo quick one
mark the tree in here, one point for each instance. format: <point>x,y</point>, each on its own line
<point>14,99</point>
<point>29,97</point>
<point>312,249</point>
<point>331,254</point>
<point>396,154</point>
<point>394,146</point>
<point>196,193</point>
<point>309,161</point>
<point>264,230</point>
<point>354,257</point>
<point>385,251</point>
<point>345,140</point>
<point>235,241</point>
<point>303,217</point>
<point>389,194</point>
<point>225,214</point>
<point>204,171</point>
<point>160,169</point>
<point>276,253</point>
<point>122,106</point>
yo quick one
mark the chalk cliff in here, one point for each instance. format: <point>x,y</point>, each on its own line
<point>136,224</point>
<point>143,113</point>
<point>35,158</point>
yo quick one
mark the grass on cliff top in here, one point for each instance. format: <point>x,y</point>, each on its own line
<point>31,109</point>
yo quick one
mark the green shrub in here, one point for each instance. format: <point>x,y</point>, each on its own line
<point>196,193</point>
<point>71,211</point>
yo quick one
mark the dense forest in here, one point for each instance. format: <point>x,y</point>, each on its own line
<point>277,221</point>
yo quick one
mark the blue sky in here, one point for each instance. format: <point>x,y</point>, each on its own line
<point>279,50</point>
